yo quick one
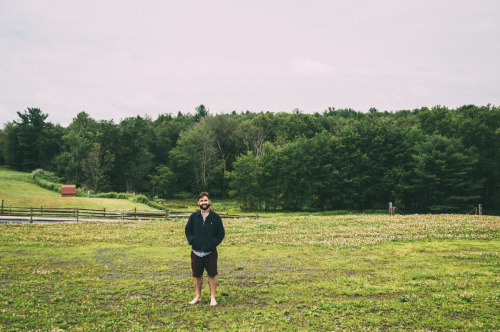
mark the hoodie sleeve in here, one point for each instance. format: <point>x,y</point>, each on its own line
<point>189,230</point>
<point>219,236</point>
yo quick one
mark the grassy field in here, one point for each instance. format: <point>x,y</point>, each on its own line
<point>292,273</point>
<point>18,189</point>
<point>284,272</point>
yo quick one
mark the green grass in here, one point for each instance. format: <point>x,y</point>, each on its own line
<point>292,273</point>
<point>284,272</point>
<point>18,189</point>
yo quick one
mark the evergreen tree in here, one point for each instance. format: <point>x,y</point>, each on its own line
<point>31,143</point>
<point>442,177</point>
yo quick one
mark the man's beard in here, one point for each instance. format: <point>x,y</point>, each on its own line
<point>204,206</point>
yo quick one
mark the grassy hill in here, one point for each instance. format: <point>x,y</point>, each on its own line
<point>18,189</point>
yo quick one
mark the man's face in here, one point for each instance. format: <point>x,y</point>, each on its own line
<point>204,203</point>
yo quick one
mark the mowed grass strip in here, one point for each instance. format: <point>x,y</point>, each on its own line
<point>434,272</point>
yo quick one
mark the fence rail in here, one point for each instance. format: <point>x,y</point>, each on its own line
<point>477,210</point>
<point>78,214</point>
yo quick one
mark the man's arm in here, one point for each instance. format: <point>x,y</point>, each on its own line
<point>189,230</point>
<point>220,231</point>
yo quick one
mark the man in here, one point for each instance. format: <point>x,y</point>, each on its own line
<point>204,232</point>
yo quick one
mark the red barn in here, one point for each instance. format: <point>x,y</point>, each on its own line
<point>68,190</point>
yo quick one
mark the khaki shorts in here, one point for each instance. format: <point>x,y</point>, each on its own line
<point>209,263</point>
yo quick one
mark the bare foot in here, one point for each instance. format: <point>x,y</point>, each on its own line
<point>195,300</point>
<point>213,303</point>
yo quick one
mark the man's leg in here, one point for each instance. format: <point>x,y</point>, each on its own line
<point>197,267</point>
<point>198,282</point>
<point>212,275</point>
<point>212,282</point>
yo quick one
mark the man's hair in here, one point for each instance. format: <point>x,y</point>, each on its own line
<point>203,194</point>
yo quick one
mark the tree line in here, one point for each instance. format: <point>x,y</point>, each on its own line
<point>427,159</point>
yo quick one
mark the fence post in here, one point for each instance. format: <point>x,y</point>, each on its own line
<point>104,215</point>
<point>391,212</point>
<point>480,209</point>
<point>31,215</point>
<point>135,213</point>
<point>2,207</point>
<point>76,215</point>
<point>166,214</point>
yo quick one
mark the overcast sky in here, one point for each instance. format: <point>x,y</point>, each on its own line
<point>116,59</point>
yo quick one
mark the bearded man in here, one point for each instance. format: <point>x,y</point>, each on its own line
<point>204,232</point>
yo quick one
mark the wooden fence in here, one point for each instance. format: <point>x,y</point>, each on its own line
<point>477,210</point>
<point>78,214</point>
<point>393,209</point>
<point>85,214</point>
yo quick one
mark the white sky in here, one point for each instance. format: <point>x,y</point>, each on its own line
<point>114,59</point>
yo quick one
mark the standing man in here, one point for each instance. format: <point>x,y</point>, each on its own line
<point>204,232</point>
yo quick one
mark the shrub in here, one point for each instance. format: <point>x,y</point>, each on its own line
<point>47,180</point>
<point>111,194</point>
<point>144,200</point>
<point>81,192</point>
<point>141,199</point>
<point>157,206</point>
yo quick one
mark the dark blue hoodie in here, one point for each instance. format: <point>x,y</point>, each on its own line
<point>206,236</point>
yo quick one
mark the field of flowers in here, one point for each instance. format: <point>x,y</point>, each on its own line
<point>367,272</point>
<point>330,232</point>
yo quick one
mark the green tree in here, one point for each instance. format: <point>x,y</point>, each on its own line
<point>443,175</point>
<point>31,143</point>
<point>228,143</point>
<point>296,125</point>
<point>358,157</point>
<point>162,182</point>
<point>295,174</point>
<point>194,159</point>
<point>244,181</point>
<point>95,168</point>
<point>2,147</point>
<point>12,155</point>
<point>77,143</point>
<point>438,120</point>
<point>255,181</point>
<point>308,172</point>
<point>50,144</point>
<point>253,136</point>
<point>166,134</point>
<point>201,112</point>
<point>325,175</point>
<point>371,155</point>
<point>134,160</point>
<point>268,177</point>
<point>479,130</point>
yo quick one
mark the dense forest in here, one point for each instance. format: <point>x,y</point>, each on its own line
<point>436,159</point>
